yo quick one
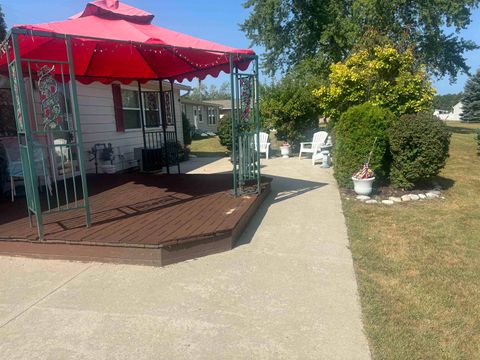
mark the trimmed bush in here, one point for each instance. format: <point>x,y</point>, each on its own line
<point>419,145</point>
<point>355,133</point>
<point>224,132</point>
<point>187,130</point>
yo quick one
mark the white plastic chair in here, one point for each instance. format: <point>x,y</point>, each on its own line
<point>318,141</point>
<point>264,144</point>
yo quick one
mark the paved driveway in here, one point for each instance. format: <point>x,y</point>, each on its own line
<point>287,291</point>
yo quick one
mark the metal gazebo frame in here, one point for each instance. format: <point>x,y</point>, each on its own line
<point>33,139</point>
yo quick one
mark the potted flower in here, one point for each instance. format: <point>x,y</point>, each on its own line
<point>285,149</point>
<point>107,157</point>
<point>364,178</point>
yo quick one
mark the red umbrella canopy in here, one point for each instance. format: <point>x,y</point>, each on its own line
<point>114,41</point>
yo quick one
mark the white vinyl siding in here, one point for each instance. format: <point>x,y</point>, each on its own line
<point>98,124</point>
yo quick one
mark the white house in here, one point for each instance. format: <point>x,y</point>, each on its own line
<point>453,115</point>
<point>202,115</point>
<point>99,123</point>
<point>117,120</point>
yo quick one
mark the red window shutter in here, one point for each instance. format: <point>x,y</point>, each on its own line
<point>118,107</point>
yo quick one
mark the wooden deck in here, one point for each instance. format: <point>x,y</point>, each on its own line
<point>137,218</point>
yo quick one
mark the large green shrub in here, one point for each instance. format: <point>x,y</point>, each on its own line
<point>419,147</point>
<point>224,132</point>
<point>355,133</point>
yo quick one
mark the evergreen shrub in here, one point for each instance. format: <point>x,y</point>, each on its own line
<point>355,134</point>
<point>419,145</point>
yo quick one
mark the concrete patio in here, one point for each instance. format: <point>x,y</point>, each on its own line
<point>287,291</point>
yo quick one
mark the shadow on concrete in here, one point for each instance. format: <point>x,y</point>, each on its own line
<point>282,188</point>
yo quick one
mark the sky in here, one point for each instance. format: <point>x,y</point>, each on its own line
<point>214,20</point>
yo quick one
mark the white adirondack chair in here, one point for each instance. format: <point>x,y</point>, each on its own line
<point>319,140</point>
<point>264,144</point>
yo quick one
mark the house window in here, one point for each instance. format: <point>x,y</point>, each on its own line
<point>212,115</point>
<point>131,109</point>
<point>152,114</point>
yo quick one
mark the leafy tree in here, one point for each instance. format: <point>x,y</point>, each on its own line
<point>202,92</point>
<point>291,30</point>
<point>7,120</point>
<point>447,101</point>
<point>382,76</point>
<point>289,106</point>
<point>471,99</point>
<point>3,25</point>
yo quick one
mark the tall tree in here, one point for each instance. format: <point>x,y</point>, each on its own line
<point>291,30</point>
<point>471,99</point>
<point>289,106</point>
<point>382,76</point>
<point>3,25</point>
<point>446,102</point>
<point>202,92</point>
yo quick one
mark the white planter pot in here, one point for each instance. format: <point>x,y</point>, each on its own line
<point>285,151</point>
<point>109,169</point>
<point>363,186</point>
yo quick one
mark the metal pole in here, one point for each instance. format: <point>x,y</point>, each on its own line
<point>239,133</point>
<point>174,117</point>
<point>78,128</point>
<point>232,95</point>
<point>28,139</point>
<point>142,115</point>
<point>257,120</point>
<point>164,123</point>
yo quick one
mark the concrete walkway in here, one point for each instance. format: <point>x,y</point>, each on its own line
<point>288,291</point>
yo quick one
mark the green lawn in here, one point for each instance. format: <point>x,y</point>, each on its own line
<point>418,265</point>
<point>208,147</point>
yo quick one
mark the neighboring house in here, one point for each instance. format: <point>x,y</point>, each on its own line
<point>453,115</point>
<point>203,115</point>
<point>225,106</point>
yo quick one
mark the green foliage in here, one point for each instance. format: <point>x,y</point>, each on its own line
<point>419,145</point>
<point>175,149</point>
<point>291,30</point>
<point>382,76</point>
<point>224,131</point>
<point>471,99</point>
<point>355,134</point>
<point>289,106</point>
<point>202,92</point>
<point>3,25</point>
<point>446,102</point>
<point>187,130</point>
